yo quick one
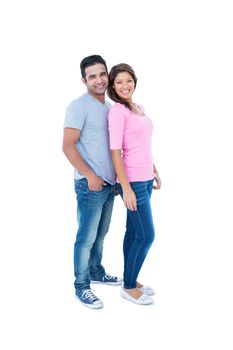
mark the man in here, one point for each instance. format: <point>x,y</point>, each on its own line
<point>86,145</point>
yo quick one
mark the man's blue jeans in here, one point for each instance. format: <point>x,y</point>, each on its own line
<point>139,233</point>
<point>94,210</point>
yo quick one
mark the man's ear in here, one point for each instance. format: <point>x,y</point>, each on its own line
<point>84,81</point>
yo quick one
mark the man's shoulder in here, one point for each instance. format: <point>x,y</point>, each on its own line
<point>108,104</point>
<point>79,101</point>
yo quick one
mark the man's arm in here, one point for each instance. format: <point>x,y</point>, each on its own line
<point>70,138</point>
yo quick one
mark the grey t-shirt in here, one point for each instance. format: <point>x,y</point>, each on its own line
<point>91,117</point>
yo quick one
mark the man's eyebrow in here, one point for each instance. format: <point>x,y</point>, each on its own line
<point>91,75</point>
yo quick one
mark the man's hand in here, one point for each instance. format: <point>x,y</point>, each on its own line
<point>116,190</point>
<point>95,183</point>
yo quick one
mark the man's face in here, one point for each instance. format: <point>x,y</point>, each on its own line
<point>96,79</point>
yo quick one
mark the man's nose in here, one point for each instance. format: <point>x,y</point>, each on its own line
<point>98,79</point>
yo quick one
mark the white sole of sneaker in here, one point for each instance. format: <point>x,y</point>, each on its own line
<point>108,283</point>
<point>90,306</point>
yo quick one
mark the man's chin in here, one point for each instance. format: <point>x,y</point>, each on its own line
<point>100,92</point>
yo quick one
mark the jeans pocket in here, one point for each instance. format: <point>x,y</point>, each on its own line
<point>81,185</point>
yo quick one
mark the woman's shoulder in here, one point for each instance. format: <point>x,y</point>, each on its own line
<point>119,112</point>
<point>120,108</point>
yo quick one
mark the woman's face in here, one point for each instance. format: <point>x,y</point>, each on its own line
<point>124,85</point>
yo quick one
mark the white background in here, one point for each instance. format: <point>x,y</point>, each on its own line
<point>182,54</point>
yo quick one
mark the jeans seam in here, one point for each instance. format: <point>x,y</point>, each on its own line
<point>83,211</point>
<point>84,219</point>
<point>136,255</point>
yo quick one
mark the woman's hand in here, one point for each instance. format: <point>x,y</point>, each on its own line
<point>157,179</point>
<point>158,182</point>
<point>130,200</point>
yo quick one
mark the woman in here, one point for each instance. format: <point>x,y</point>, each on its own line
<point>130,142</point>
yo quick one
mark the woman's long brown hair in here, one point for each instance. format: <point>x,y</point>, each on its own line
<point>119,68</point>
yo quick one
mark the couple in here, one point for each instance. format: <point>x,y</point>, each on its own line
<point>108,145</point>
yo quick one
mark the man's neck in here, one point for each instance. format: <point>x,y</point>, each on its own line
<point>100,98</point>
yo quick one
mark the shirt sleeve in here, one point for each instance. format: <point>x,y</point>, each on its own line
<point>116,125</point>
<point>75,116</point>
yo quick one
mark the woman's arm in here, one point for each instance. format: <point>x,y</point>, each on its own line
<point>129,197</point>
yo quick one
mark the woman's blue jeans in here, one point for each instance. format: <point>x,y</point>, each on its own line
<point>94,210</point>
<point>139,234</point>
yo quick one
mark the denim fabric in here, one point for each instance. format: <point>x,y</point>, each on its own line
<point>94,210</point>
<point>139,233</point>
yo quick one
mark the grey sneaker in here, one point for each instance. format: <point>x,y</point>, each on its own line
<point>89,299</point>
<point>108,279</point>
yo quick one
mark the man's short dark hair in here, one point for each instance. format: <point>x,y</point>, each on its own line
<point>91,61</point>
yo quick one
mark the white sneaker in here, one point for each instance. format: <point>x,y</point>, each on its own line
<point>143,300</point>
<point>148,290</point>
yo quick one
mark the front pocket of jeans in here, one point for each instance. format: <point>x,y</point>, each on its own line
<point>81,186</point>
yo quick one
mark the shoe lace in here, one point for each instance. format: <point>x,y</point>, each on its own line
<point>109,277</point>
<point>87,294</point>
